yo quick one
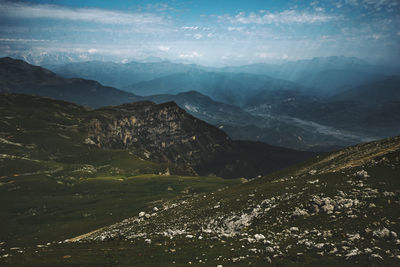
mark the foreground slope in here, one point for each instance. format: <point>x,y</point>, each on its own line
<point>342,208</point>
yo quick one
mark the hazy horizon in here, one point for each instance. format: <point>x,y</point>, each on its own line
<point>203,32</point>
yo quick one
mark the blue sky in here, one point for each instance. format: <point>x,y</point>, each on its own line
<point>217,32</point>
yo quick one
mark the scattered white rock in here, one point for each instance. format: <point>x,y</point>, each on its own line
<point>376,256</point>
<point>299,212</point>
<point>312,172</point>
<point>381,234</point>
<point>362,174</point>
<point>269,249</point>
<point>259,237</point>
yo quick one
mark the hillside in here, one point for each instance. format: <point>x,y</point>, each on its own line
<point>161,133</point>
<point>267,128</point>
<point>341,208</point>
<point>65,170</point>
<point>17,76</point>
<point>334,81</point>
<point>379,92</point>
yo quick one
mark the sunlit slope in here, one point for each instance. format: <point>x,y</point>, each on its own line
<point>340,208</point>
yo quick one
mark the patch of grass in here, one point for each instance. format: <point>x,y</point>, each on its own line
<point>38,208</point>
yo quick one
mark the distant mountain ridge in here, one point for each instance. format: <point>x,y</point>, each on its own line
<point>17,76</point>
<point>230,88</point>
<point>314,74</point>
<point>270,110</point>
<point>244,125</point>
<point>121,75</point>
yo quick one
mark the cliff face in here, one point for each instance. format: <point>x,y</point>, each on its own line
<point>162,132</point>
<point>166,133</point>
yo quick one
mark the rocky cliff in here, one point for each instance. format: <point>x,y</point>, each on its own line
<point>167,133</point>
<point>162,132</point>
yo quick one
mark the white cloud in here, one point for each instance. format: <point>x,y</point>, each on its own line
<point>196,28</point>
<point>193,54</point>
<point>284,17</point>
<point>265,55</point>
<point>163,48</point>
<point>376,36</point>
<point>190,28</point>
<point>160,7</point>
<point>92,51</point>
<point>21,40</point>
<point>197,36</point>
<point>375,5</point>
<point>44,11</point>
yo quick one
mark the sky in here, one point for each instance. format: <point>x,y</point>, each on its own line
<point>214,33</point>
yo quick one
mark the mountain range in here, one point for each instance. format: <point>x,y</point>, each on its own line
<point>91,175</point>
<point>251,107</point>
<point>322,76</point>
<point>162,133</point>
<point>17,76</point>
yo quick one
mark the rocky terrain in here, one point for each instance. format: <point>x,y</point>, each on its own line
<point>339,208</point>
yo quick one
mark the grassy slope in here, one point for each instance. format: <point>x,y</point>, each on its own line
<point>39,208</point>
<point>54,186</point>
<point>274,198</point>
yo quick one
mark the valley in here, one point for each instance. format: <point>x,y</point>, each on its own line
<point>242,169</point>
<point>199,133</point>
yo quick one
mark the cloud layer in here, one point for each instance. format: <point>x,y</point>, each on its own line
<point>284,17</point>
<point>45,11</point>
<point>232,32</point>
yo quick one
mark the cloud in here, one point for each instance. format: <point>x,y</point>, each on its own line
<point>21,40</point>
<point>197,36</point>
<point>196,28</point>
<point>163,48</point>
<point>265,55</point>
<point>284,17</point>
<point>373,5</point>
<point>193,54</point>
<point>45,11</point>
<point>160,7</point>
<point>190,28</point>
<point>92,50</point>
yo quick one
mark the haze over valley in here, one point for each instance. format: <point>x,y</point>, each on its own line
<point>176,133</point>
